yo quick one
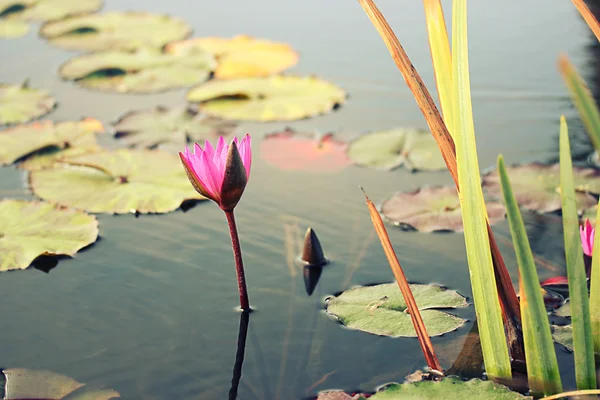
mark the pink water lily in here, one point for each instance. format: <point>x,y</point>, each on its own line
<point>220,173</point>
<point>587,237</point>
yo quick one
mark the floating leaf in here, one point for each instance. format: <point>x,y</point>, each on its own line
<point>563,335</point>
<point>115,31</point>
<point>381,309</point>
<point>564,310</point>
<point>12,28</point>
<point>40,384</point>
<point>338,395</point>
<point>58,140</point>
<point>176,126</point>
<point>432,208</point>
<point>275,98</point>
<point>242,56</point>
<point>46,10</point>
<point>19,103</point>
<point>29,229</point>
<point>291,150</point>
<point>141,71</point>
<point>414,148</point>
<point>119,181</point>
<point>536,186</point>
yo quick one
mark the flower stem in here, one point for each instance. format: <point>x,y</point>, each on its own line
<point>239,264</point>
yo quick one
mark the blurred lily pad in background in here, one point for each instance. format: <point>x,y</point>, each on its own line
<point>298,151</point>
<point>274,98</point>
<point>12,28</point>
<point>242,56</point>
<point>19,103</point>
<point>536,186</point>
<point>115,31</point>
<point>413,148</point>
<point>143,70</point>
<point>46,10</point>
<point>45,142</point>
<point>118,181</point>
<point>381,309</point>
<point>432,208</point>
<point>170,126</point>
<point>29,229</point>
<point>40,384</point>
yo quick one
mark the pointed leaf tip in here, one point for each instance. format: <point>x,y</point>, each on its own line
<point>312,253</point>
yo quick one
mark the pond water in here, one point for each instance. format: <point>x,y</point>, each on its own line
<point>149,309</point>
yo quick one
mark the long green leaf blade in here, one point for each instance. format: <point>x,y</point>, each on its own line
<point>483,282</point>
<point>542,367</point>
<point>583,348</point>
<point>595,287</point>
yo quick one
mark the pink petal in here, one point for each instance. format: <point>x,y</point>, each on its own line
<point>211,176</point>
<point>245,149</point>
<point>197,149</point>
<point>208,150</point>
<point>188,159</point>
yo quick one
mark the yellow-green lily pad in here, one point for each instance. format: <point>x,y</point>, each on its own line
<point>381,309</point>
<point>115,31</point>
<point>141,71</point>
<point>116,182</point>
<point>563,335</point>
<point>46,10</point>
<point>275,98</point>
<point>29,229</point>
<point>45,142</point>
<point>170,126</point>
<point>12,28</point>
<point>20,103</point>
<point>415,149</point>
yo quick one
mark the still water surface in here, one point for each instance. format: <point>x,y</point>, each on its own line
<point>148,310</point>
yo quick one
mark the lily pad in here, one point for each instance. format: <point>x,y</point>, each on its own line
<point>40,384</point>
<point>176,126</point>
<point>29,229</point>
<point>19,103</point>
<point>564,310</point>
<point>46,10</point>
<point>141,71</point>
<point>432,208</point>
<point>275,98</point>
<point>536,186</point>
<point>119,181</point>
<point>56,140</point>
<point>12,28</point>
<point>416,149</point>
<point>115,31</point>
<point>291,150</point>
<point>563,335</point>
<point>381,309</point>
<point>242,56</point>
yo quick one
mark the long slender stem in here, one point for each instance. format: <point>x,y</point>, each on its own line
<point>239,264</point>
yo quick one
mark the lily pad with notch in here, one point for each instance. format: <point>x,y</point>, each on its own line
<point>537,186</point>
<point>274,98</point>
<point>242,56</point>
<point>381,309</point>
<point>144,70</point>
<point>46,10</point>
<point>29,229</point>
<point>175,126</point>
<point>45,142</point>
<point>115,31</point>
<point>415,149</point>
<point>20,103</point>
<point>308,152</point>
<point>431,209</point>
<point>116,182</point>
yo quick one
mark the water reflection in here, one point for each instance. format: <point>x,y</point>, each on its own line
<point>239,355</point>
<point>311,278</point>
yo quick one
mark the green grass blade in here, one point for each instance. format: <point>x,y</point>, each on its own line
<point>542,367</point>
<point>583,348</point>
<point>483,282</point>
<point>595,287</point>
<point>583,100</point>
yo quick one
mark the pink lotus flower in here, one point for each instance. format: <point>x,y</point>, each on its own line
<point>220,174</point>
<point>587,237</point>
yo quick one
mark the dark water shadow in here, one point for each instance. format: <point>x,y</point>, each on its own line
<point>239,355</point>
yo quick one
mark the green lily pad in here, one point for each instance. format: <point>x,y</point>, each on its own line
<point>448,388</point>
<point>46,10</point>
<point>381,309</point>
<point>19,103</point>
<point>53,140</point>
<point>119,181</point>
<point>173,126</point>
<point>275,98</point>
<point>564,310</point>
<point>416,149</point>
<point>12,28</point>
<point>115,31</point>
<point>40,384</point>
<point>29,229</point>
<point>141,71</point>
<point>563,335</point>
<point>536,186</point>
<point>432,208</point>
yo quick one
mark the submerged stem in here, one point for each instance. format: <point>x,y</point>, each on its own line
<point>239,264</point>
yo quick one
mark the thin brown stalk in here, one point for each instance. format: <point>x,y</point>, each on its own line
<point>588,17</point>
<point>411,304</point>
